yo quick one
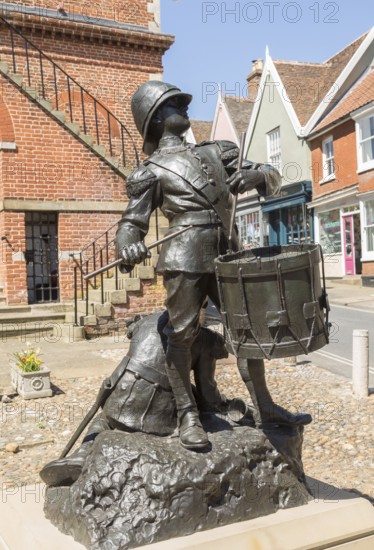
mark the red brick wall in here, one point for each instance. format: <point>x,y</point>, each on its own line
<point>109,72</point>
<point>366,181</point>
<point>128,11</point>
<point>3,246</point>
<point>6,124</point>
<point>51,165</point>
<point>14,277</point>
<point>345,158</point>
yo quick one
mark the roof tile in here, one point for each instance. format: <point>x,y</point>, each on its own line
<point>201,129</point>
<point>240,110</point>
<point>358,96</point>
<point>307,83</point>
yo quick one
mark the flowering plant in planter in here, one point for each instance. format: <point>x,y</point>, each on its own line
<point>29,377</point>
<point>28,360</point>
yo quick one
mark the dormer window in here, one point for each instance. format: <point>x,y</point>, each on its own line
<point>328,165</point>
<point>274,149</point>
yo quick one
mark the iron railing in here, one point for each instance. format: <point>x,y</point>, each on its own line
<point>98,253</point>
<point>65,93</point>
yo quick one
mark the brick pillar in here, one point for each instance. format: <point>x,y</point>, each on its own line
<point>13,257</point>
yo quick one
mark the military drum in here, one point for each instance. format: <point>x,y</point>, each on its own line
<point>272,301</point>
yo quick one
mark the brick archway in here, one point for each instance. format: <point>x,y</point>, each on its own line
<point>6,124</point>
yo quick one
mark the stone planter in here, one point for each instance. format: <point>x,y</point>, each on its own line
<point>31,385</point>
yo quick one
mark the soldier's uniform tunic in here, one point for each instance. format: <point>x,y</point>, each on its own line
<point>188,184</point>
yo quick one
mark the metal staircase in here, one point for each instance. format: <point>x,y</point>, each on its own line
<point>59,95</point>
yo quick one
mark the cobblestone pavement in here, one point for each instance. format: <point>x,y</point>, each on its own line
<point>338,446</point>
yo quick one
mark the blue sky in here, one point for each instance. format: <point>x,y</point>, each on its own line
<point>215,41</point>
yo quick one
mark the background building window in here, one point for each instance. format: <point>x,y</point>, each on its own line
<point>365,142</point>
<point>249,229</point>
<point>369,226</point>
<point>328,165</point>
<point>274,149</point>
<point>330,231</point>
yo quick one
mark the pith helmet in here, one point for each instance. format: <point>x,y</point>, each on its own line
<point>145,102</point>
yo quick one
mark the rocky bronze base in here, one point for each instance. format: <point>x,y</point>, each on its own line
<point>136,489</point>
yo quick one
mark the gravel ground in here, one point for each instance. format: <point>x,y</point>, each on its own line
<point>338,446</point>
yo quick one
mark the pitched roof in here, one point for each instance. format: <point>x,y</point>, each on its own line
<point>307,83</point>
<point>240,110</point>
<point>359,95</point>
<point>201,129</point>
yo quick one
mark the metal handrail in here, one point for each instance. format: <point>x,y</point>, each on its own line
<point>109,116</point>
<point>99,237</point>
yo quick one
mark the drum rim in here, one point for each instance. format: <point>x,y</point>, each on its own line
<point>263,252</point>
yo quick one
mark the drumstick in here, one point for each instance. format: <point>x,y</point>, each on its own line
<point>233,211</point>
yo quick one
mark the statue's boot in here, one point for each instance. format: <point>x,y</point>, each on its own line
<point>266,412</point>
<point>66,471</point>
<point>191,433</point>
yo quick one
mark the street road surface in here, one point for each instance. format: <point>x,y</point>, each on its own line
<point>337,355</point>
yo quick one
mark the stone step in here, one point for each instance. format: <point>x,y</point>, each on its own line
<point>87,138</point>
<point>52,307</point>
<point>61,115</point>
<point>75,128</point>
<point>16,78</point>
<point>6,310</point>
<point>125,172</point>
<point>114,161</point>
<point>100,149</point>
<point>354,280</point>
<point>21,325</point>
<point>81,307</point>
<point>114,297</point>
<point>68,332</point>
<point>95,295</point>
<point>33,92</point>
<point>44,103</point>
<point>4,67</point>
<point>145,272</point>
<point>124,283</point>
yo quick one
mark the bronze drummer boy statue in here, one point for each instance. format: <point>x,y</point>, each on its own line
<point>193,186</point>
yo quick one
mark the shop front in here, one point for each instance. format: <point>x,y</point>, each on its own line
<point>286,218</point>
<point>338,230</point>
<point>367,237</point>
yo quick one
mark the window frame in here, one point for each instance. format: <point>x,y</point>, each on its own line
<point>278,151</point>
<point>366,255</point>
<point>325,160</point>
<point>359,119</point>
